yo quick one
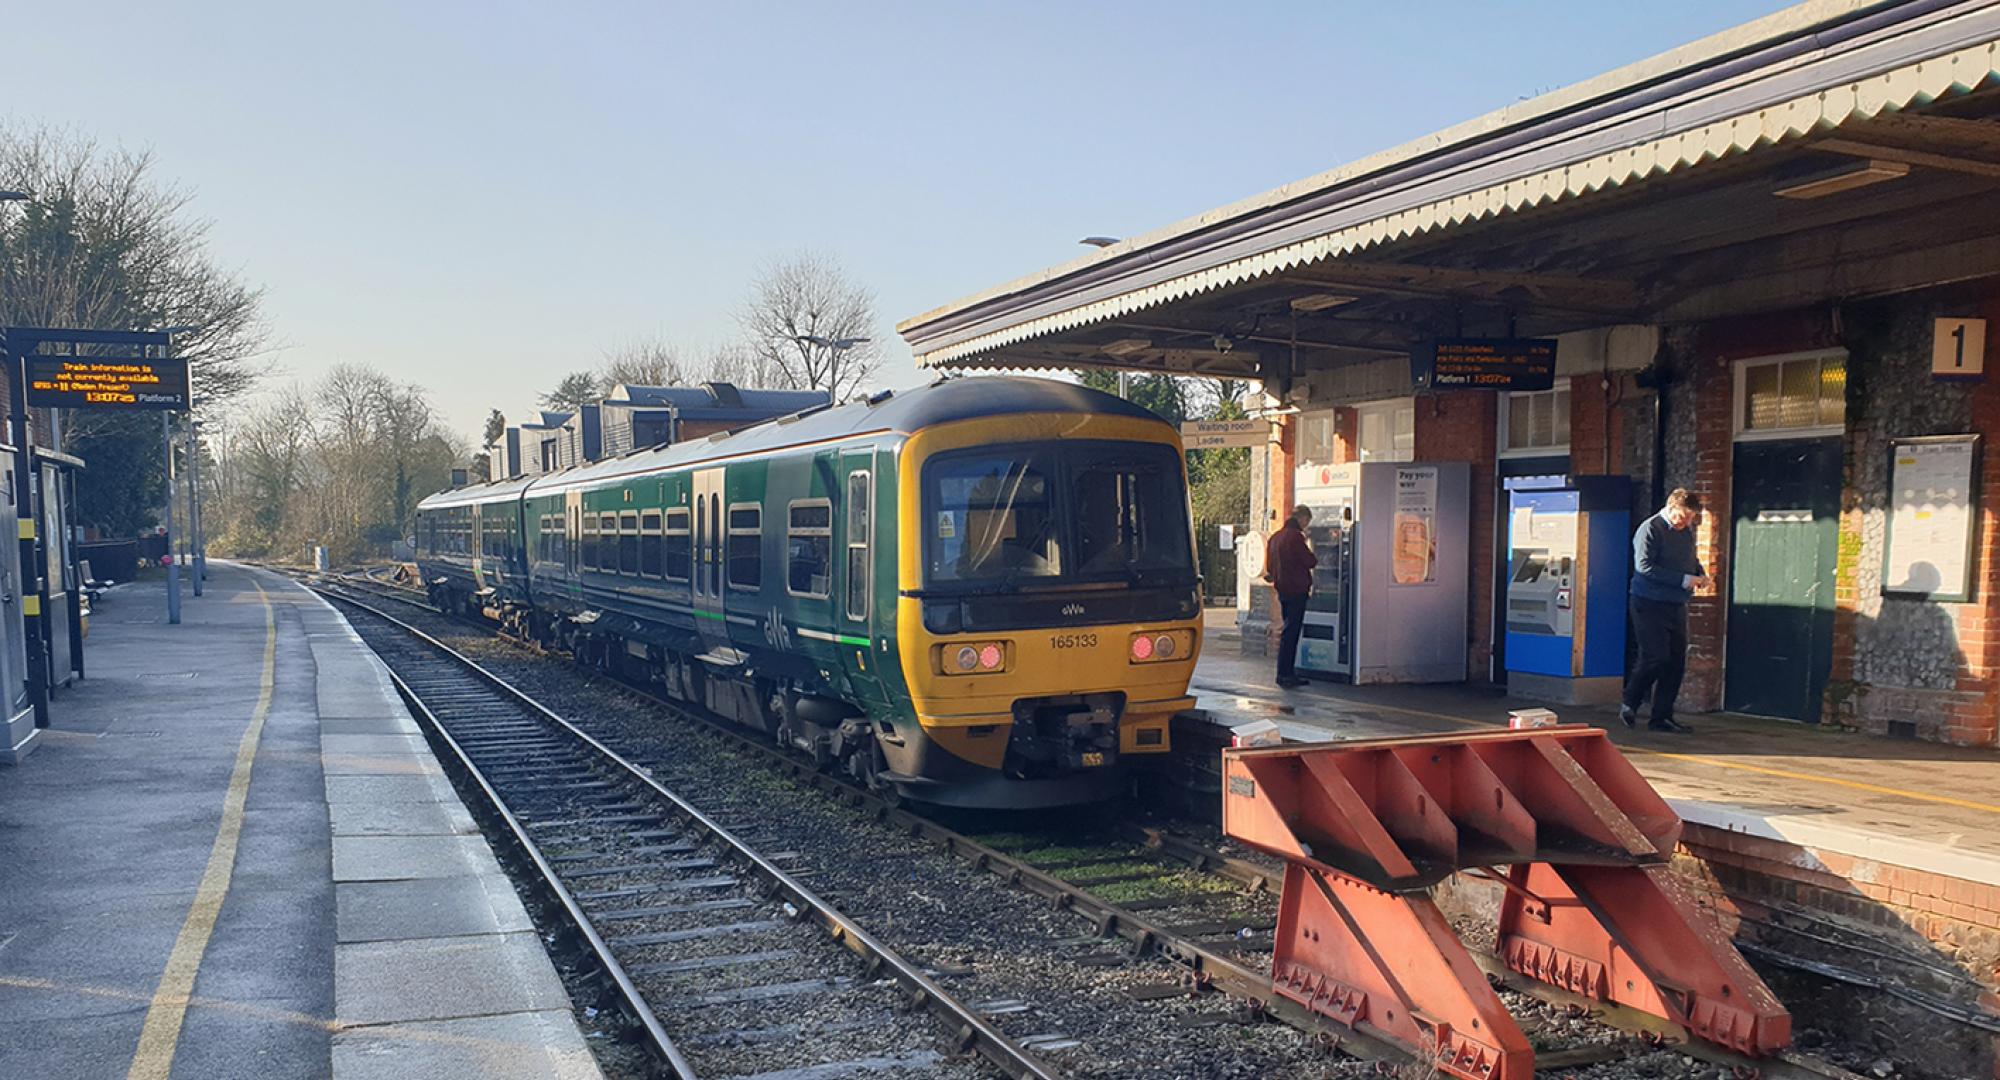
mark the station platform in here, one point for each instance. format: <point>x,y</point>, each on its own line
<point>233,855</point>
<point>1878,859</point>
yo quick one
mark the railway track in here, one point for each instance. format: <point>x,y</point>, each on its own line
<point>685,917</point>
<point>1211,913</point>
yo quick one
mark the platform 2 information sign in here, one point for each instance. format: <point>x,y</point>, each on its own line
<point>82,382</point>
<point>1487,364</point>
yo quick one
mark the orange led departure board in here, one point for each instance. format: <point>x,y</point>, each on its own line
<point>81,382</point>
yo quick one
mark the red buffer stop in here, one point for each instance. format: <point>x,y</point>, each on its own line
<point>1368,827</point>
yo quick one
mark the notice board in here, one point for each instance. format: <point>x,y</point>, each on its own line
<point>1933,517</point>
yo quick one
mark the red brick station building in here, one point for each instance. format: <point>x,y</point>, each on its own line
<point>1770,261</point>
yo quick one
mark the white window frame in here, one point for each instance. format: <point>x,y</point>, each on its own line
<point>792,530</point>
<point>685,528</point>
<point>730,531</point>
<point>1330,417</point>
<point>1388,409</point>
<point>1737,401</point>
<point>1560,449</point>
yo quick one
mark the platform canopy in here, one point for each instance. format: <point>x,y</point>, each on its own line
<point>1832,151</point>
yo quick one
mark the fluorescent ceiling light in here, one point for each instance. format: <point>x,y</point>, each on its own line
<point>1842,178</point>
<point>1321,301</point>
<point>1127,346</point>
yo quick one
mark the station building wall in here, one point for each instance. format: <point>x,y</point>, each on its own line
<point>1900,665</point>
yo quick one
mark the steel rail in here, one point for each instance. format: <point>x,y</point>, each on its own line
<point>971,1030</point>
<point>630,1000</point>
<point>1208,968</point>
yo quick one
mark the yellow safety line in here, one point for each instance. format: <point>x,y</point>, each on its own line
<point>1720,763</point>
<point>154,1058</point>
<point>1818,779</point>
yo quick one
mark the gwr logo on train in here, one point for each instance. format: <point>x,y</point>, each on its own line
<point>748,574</point>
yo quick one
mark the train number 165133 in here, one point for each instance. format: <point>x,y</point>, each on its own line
<point>1072,641</point>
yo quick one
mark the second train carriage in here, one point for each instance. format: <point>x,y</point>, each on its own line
<point>982,592</point>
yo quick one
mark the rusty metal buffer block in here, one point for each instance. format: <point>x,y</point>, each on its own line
<point>1367,827</point>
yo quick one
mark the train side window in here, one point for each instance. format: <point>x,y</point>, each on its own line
<point>746,546</point>
<point>650,557</point>
<point>679,547</point>
<point>809,548</point>
<point>590,541</point>
<point>860,530</point>
<point>607,543</point>
<point>628,544</point>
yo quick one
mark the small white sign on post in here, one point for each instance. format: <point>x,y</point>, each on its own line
<point>1958,349</point>
<point>1215,434</point>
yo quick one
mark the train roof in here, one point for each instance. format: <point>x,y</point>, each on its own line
<point>896,415</point>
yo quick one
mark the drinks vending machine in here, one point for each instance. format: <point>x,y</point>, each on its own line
<point>1390,591</point>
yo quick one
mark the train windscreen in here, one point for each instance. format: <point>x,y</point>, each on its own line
<point>1042,514</point>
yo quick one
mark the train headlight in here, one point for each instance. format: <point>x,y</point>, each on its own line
<point>1155,646</point>
<point>972,658</point>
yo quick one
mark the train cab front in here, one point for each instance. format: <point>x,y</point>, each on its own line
<point>1053,620</point>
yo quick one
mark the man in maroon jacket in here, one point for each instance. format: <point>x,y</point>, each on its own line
<point>1288,566</point>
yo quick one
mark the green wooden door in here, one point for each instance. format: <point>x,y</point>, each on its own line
<point>1785,501</point>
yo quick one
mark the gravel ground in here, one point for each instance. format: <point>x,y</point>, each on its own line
<point>1040,974</point>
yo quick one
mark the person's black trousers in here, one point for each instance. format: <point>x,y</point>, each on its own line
<point>1293,611</point>
<point>1661,630</point>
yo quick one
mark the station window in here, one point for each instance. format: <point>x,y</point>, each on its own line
<point>1535,422</point>
<point>746,546</point>
<point>1387,430</point>
<point>859,530</point>
<point>680,548</point>
<point>1316,438</point>
<point>809,548</point>
<point>628,544</point>
<point>650,541</point>
<point>1790,396</point>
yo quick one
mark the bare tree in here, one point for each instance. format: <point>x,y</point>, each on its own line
<point>643,362</point>
<point>100,245</point>
<point>812,326</point>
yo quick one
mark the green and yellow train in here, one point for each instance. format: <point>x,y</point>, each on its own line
<point>982,593</point>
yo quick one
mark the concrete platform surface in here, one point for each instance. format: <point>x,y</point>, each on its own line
<point>234,855</point>
<point>1922,805</point>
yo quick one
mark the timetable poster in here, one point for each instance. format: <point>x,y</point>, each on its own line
<point>1931,517</point>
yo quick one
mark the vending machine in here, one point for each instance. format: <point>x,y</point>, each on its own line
<point>1390,591</point>
<point>1569,543</point>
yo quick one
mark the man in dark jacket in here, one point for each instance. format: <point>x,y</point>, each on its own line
<point>1665,574</point>
<point>1288,566</point>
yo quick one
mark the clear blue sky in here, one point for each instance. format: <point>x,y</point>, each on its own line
<point>479,197</point>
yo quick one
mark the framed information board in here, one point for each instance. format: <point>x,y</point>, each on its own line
<point>1933,517</point>
<point>83,382</point>
<point>1485,364</point>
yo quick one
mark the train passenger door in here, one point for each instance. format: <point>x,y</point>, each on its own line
<point>707,582</point>
<point>860,618</point>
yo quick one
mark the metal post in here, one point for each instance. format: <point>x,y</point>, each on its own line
<point>194,503</point>
<point>24,509</point>
<point>173,564</point>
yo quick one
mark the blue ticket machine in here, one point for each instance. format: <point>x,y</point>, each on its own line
<point>1569,545</point>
